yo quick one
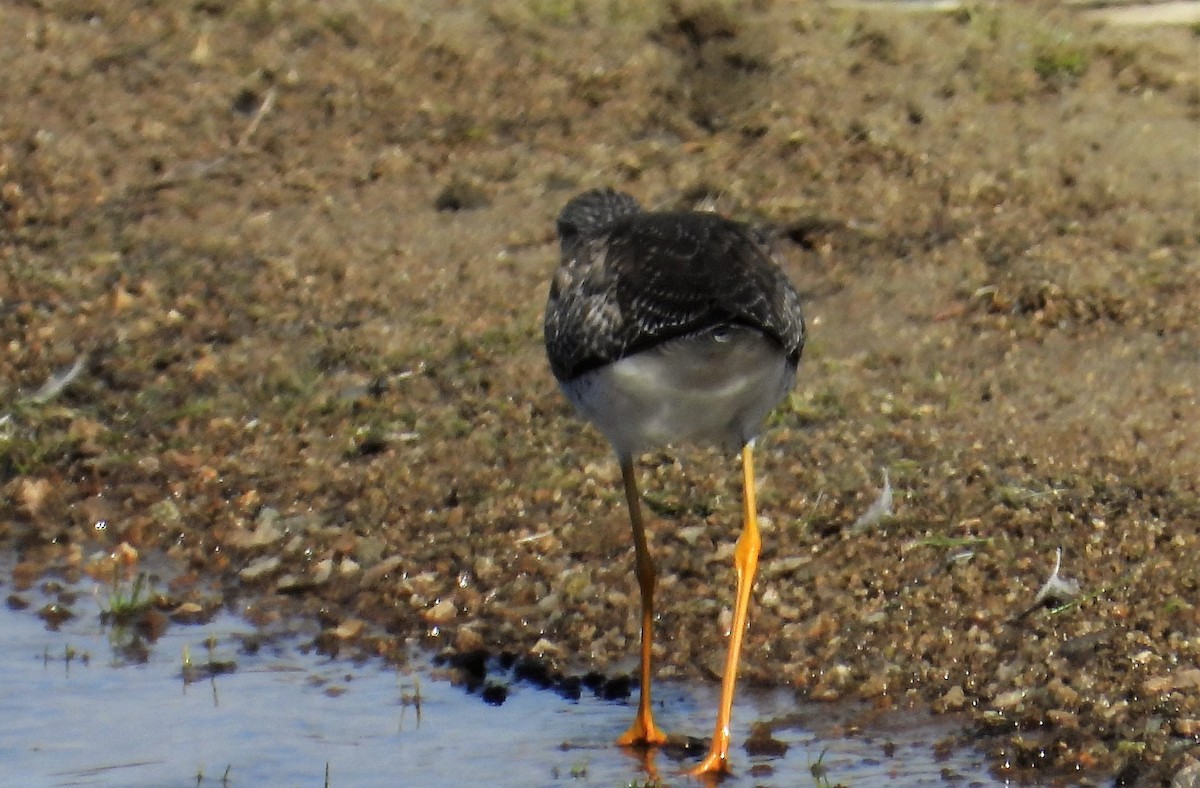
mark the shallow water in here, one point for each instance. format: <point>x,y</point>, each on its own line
<point>282,717</point>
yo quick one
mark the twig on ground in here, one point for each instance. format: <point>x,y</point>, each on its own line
<point>263,108</point>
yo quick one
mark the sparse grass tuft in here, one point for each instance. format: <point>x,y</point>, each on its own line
<point>127,600</point>
<point>212,667</point>
<point>820,772</point>
<point>811,407</point>
<point>1176,605</point>
<point>1059,57</point>
<point>556,11</point>
<point>32,438</point>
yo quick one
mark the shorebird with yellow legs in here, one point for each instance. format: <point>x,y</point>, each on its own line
<point>666,328</point>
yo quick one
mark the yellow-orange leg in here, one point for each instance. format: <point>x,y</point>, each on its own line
<point>643,730</point>
<point>745,560</point>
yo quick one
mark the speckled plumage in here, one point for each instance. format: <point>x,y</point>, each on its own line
<point>629,280</point>
<point>664,328</point>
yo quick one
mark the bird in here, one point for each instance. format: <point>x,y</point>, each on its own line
<point>665,328</point>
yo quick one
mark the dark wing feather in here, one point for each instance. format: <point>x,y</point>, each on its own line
<point>646,278</point>
<point>586,215</point>
<point>681,273</point>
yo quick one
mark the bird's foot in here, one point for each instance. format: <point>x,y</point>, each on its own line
<point>642,733</point>
<point>714,766</point>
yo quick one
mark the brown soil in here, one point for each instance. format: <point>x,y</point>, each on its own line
<point>304,252</point>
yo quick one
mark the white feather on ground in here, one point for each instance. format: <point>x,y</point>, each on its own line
<point>1057,590</point>
<point>881,508</point>
<point>55,385</point>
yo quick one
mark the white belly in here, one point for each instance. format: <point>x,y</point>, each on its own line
<point>716,387</point>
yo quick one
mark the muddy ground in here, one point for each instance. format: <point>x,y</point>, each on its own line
<point>300,253</point>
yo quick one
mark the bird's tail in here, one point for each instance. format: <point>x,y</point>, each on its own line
<point>590,212</point>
